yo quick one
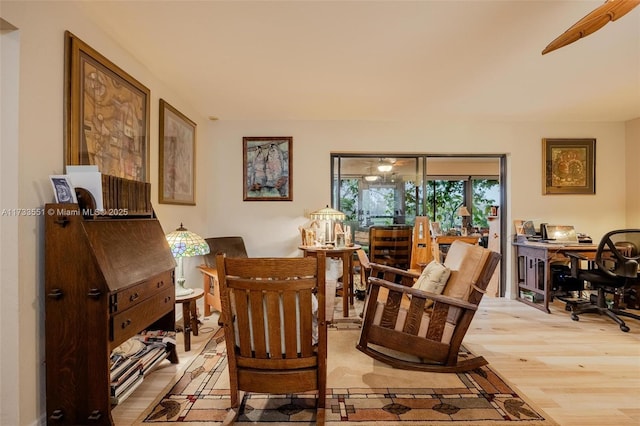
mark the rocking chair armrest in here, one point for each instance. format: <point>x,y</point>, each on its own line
<point>397,271</point>
<point>423,294</point>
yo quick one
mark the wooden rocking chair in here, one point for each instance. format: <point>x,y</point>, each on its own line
<point>276,336</point>
<point>413,329</point>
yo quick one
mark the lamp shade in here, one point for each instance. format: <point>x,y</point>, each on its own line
<point>327,213</point>
<point>463,211</point>
<point>184,243</point>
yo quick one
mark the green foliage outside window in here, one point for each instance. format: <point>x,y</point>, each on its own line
<point>445,196</point>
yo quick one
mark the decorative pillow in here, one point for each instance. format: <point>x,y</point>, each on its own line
<point>433,278</point>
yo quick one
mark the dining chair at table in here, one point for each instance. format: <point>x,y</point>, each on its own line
<point>391,245</point>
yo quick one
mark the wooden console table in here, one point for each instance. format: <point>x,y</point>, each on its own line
<point>533,270</point>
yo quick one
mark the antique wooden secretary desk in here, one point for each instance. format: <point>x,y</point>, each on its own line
<point>107,277</point>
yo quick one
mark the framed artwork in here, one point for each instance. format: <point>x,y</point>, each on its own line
<point>569,166</point>
<point>267,174</point>
<point>107,114</point>
<point>177,157</point>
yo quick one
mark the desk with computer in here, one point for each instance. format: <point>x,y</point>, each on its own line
<point>557,262</point>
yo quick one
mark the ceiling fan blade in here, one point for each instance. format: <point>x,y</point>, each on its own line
<point>596,19</point>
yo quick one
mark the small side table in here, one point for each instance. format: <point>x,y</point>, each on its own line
<point>346,254</point>
<point>190,315</point>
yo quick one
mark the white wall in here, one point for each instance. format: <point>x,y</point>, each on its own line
<point>270,228</point>
<point>633,176</point>
<point>9,377</point>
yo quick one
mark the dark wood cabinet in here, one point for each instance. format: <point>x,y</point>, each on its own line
<point>533,268</point>
<point>106,279</point>
<point>532,272</point>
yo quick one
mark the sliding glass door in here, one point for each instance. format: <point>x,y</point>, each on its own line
<point>374,189</point>
<point>461,193</point>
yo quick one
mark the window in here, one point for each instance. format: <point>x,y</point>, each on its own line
<point>374,189</point>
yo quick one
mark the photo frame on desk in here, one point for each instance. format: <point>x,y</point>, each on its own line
<point>107,114</point>
<point>63,189</point>
<point>568,166</point>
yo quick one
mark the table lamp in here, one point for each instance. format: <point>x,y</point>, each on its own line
<point>185,243</point>
<point>463,212</point>
<point>330,215</point>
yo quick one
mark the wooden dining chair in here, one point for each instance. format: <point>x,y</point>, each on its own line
<point>275,333</point>
<point>391,245</point>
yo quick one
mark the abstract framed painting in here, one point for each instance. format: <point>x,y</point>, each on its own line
<point>177,157</point>
<point>107,114</point>
<point>267,172</point>
<point>569,166</point>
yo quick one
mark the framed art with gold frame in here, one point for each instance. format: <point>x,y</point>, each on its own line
<point>568,166</point>
<point>107,114</point>
<point>267,171</point>
<point>177,157</point>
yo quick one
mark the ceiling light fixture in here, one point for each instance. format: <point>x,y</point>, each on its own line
<point>384,167</point>
<point>371,178</point>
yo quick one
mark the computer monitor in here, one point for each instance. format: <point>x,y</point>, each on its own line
<point>561,234</point>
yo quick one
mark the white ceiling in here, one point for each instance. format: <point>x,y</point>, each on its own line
<point>383,60</point>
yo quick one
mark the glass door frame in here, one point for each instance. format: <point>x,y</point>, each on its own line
<point>421,164</point>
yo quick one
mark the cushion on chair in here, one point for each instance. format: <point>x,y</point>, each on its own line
<point>433,278</point>
<point>466,262</point>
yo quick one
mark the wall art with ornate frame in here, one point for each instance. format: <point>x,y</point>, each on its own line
<point>569,166</point>
<point>267,173</point>
<point>107,114</point>
<point>177,157</point>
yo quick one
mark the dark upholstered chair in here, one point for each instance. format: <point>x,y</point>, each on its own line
<point>613,271</point>
<point>232,247</point>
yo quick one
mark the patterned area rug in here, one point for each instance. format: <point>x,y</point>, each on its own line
<point>361,392</point>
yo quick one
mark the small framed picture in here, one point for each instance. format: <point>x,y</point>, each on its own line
<point>569,166</point>
<point>63,189</point>
<point>267,168</point>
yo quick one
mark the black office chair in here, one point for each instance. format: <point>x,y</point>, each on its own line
<point>615,269</point>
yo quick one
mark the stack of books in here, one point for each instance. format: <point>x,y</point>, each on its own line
<point>131,196</point>
<point>128,370</point>
<point>126,376</point>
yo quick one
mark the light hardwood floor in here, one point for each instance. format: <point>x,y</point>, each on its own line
<point>580,373</point>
